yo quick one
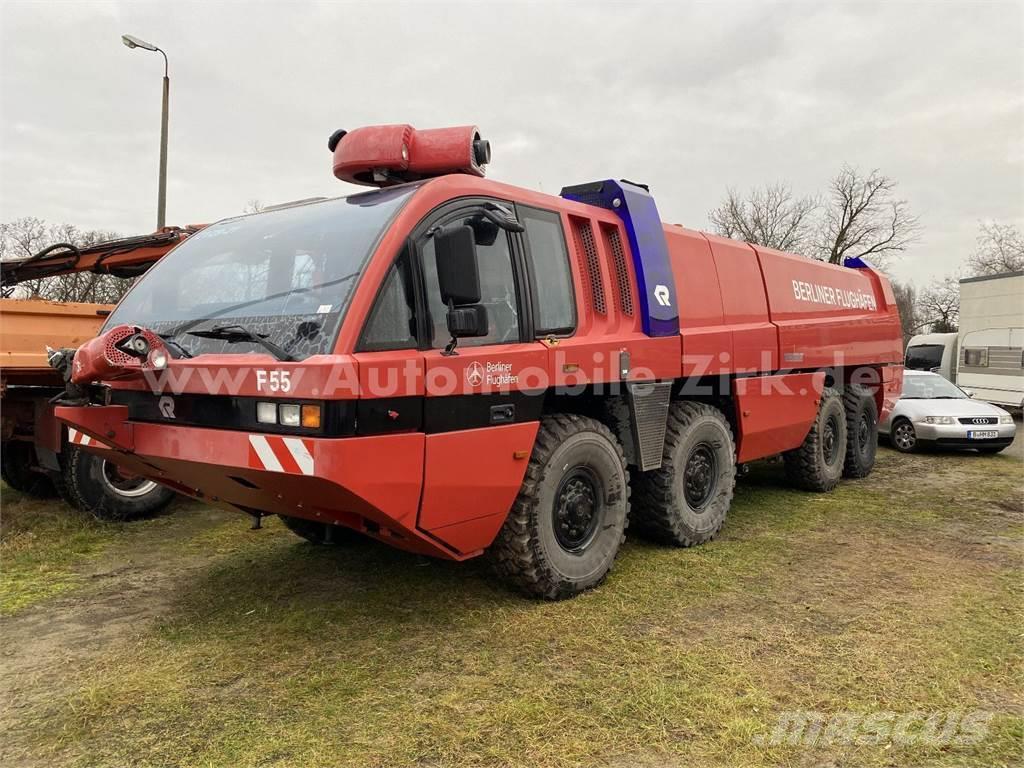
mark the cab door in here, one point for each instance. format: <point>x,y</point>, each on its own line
<point>484,398</point>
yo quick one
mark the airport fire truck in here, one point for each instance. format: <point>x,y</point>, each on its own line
<point>457,367</point>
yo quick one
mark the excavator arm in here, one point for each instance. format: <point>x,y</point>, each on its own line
<point>27,327</point>
<point>125,257</point>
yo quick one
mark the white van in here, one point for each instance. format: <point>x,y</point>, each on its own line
<point>935,352</point>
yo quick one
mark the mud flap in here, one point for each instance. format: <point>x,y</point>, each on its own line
<point>648,420</point>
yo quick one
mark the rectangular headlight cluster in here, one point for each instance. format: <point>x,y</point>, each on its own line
<point>289,414</point>
<point>1006,419</point>
<point>939,420</point>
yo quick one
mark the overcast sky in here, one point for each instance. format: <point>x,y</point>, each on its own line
<point>690,98</point>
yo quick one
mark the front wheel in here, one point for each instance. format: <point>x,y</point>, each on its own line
<point>569,520</point>
<point>903,436</point>
<point>319,533</point>
<point>105,491</point>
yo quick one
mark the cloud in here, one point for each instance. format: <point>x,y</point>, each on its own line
<point>689,98</point>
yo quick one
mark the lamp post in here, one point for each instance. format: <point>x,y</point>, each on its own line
<point>161,206</point>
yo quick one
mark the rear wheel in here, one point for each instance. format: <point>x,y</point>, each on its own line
<point>18,469</point>
<point>903,436</point>
<point>861,432</point>
<point>318,533</point>
<point>102,489</point>
<point>817,465</point>
<point>568,522</point>
<point>686,500</point>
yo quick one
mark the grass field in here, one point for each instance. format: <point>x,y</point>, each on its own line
<point>189,640</point>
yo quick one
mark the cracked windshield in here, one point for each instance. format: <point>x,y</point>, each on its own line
<point>279,279</point>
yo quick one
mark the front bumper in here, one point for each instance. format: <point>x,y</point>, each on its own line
<point>958,435</point>
<point>374,484</point>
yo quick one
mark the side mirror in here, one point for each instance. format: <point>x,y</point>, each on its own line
<point>468,321</point>
<point>969,392</point>
<point>458,275</point>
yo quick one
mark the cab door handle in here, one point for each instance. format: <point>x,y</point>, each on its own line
<point>503,414</point>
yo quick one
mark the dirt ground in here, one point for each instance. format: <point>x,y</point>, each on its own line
<point>189,639</point>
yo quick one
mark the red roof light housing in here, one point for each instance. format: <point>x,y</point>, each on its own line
<point>384,155</point>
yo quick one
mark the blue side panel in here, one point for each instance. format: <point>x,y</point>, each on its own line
<point>635,206</point>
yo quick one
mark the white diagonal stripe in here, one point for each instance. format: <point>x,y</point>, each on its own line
<point>86,440</point>
<point>72,434</point>
<point>265,452</point>
<point>300,453</point>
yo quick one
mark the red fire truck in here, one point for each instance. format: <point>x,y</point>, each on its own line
<point>456,366</point>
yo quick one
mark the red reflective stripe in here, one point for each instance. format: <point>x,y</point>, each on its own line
<point>288,463</point>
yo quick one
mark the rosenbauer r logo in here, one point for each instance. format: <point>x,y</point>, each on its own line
<point>166,406</point>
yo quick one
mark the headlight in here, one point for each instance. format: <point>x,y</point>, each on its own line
<point>1006,419</point>
<point>939,420</point>
<point>158,359</point>
<point>290,415</point>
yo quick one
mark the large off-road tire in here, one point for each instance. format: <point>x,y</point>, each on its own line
<point>861,432</point>
<point>817,465</point>
<point>319,533</point>
<point>569,520</point>
<point>97,487</point>
<point>903,436</point>
<point>685,502</point>
<point>17,468</point>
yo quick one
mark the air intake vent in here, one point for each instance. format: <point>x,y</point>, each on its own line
<point>590,266</point>
<point>622,285</point>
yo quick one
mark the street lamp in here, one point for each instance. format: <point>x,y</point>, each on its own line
<point>161,206</point>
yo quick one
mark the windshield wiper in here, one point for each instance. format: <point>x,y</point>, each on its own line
<point>236,334</point>
<point>169,340</point>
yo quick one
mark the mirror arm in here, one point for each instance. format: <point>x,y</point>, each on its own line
<point>507,222</point>
<point>449,350</point>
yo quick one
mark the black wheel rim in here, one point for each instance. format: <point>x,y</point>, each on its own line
<point>864,433</point>
<point>830,440</point>
<point>579,508</point>
<point>700,476</point>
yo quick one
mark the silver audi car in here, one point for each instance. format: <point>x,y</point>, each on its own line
<point>932,412</point>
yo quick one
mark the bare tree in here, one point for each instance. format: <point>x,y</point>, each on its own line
<point>906,302</point>
<point>769,216</point>
<point>254,206</point>
<point>940,305</point>
<point>26,236</point>
<point>861,216</point>
<point>1000,249</point>
<point>864,218</point>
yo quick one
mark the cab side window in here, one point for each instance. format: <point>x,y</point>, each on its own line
<point>550,275</point>
<point>497,291</point>
<point>392,322</point>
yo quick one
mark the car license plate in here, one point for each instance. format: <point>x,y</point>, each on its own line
<point>985,434</point>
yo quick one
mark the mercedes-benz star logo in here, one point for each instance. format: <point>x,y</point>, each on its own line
<point>474,374</point>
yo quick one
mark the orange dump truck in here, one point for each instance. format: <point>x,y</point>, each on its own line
<point>35,457</point>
